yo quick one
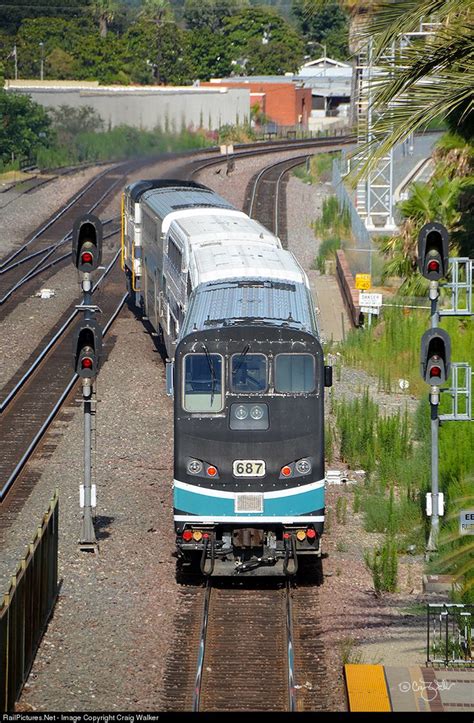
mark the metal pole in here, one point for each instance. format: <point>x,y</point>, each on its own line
<point>434,406</point>
<point>87,538</point>
<point>16,61</point>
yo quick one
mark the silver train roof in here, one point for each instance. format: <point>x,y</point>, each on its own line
<point>251,301</point>
<point>165,197</point>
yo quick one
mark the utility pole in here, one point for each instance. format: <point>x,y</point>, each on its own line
<point>42,61</point>
<point>87,348</point>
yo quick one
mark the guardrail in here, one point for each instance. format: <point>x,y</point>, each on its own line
<point>349,292</point>
<point>27,607</point>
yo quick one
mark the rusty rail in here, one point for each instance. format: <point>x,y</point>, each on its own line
<point>27,607</point>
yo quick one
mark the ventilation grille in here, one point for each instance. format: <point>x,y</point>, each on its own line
<point>249,502</point>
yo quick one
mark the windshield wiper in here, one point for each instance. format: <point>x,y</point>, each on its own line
<point>242,357</point>
<point>211,369</point>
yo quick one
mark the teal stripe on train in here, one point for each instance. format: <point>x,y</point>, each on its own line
<point>199,504</point>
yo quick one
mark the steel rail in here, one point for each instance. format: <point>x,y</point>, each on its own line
<point>52,220</point>
<point>290,650</point>
<point>202,648</point>
<point>34,271</point>
<point>7,485</point>
<point>48,248</point>
<point>53,340</point>
<point>40,269</point>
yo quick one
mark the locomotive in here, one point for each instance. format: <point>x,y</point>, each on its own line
<point>246,369</point>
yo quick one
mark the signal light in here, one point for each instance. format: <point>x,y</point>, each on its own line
<point>87,257</point>
<point>286,471</point>
<point>435,356</point>
<point>187,535</point>
<point>87,237</point>
<point>433,251</point>
<point>87,349</point>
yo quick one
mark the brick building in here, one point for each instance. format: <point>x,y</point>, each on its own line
<point>284,103</point>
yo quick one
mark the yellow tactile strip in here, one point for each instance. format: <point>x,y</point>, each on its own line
<point>366,688</point>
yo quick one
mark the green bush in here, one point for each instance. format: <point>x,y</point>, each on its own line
<point>327,250</point>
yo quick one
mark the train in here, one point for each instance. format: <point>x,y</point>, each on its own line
<point>245,366</point>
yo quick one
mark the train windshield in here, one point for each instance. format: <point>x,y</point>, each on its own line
<point>203,388</point>
<point>295,373</point>
<point>249,372</point>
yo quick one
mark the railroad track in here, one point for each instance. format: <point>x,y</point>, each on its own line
<point>247,639</point>
<point>251,645</point>
<point>32,403</point>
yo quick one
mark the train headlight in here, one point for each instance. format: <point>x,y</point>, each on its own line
<point>241,412</point>
<point>303,466</point>
<point>194,466</point>
<point>257,412</point>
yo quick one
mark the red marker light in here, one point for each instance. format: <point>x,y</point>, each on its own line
<point>86,363</point>
<point>433,266</point>
<point>435,372</point>
<point>286,535</point>
<point>187,535</point>
<point>86,258</point>
<point>211,471</point>
<point>286,471</point>
<point>310,533</point>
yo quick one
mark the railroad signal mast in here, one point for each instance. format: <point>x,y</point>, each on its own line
<point>87,349</point>
<point>435,361</point>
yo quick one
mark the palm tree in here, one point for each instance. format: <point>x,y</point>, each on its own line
<point>433,77</point>
<point>428,202</point>
<point>104,11</point>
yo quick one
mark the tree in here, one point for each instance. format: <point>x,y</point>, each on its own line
<point>248,29</point>
<point>25,126</point>
<point>61,65</point>
<point>210,14</point>
<point>156,11</point>
<point>156,53</point>
<point>323,22</point>
<point>13,14</point>
<point>104,11</point>
<point>435,76</point>
<point>208,54</point>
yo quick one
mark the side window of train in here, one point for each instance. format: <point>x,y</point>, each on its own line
<point>295,373</point>
<point>203,383</point>
<point>174,255</point>
<point>249,373</point>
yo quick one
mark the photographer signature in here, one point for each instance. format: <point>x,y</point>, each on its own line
<point>428,690</point>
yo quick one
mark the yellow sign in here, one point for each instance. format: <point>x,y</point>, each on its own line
<point>363,281</point>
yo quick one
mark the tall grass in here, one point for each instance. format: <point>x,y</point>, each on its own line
<point>119,143</point>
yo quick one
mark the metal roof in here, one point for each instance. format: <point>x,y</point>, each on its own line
<point>221,225</point>
<point>224,260</point>
<point>165,197</point>
<point>247,301</point>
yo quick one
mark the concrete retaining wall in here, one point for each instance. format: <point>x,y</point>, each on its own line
<point>146,107</point>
